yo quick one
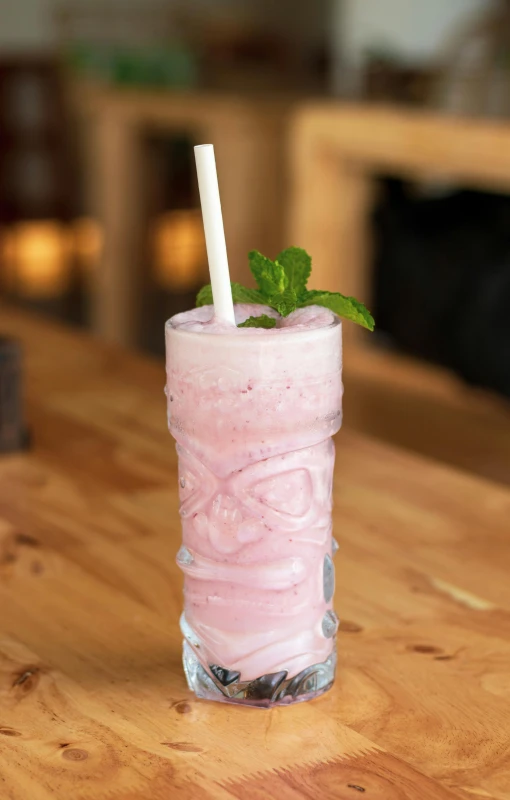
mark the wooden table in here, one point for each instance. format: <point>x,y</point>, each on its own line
<point>93,702</point>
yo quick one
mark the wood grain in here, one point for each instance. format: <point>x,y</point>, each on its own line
<point>93,702</point>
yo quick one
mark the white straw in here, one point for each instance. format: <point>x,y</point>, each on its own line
<point>214,233</point>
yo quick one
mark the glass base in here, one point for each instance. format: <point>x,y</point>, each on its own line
<point>220,684</point>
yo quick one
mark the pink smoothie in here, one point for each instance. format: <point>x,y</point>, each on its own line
<point>253,411</point>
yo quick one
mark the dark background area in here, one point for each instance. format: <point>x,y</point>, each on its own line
<point>442,279</point>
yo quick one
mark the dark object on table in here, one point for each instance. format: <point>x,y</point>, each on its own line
<point>13,434</point>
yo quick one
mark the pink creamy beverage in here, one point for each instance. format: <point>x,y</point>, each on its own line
<point>253,411</point>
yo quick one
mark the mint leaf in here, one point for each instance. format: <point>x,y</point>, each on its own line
<point>258,322</point>
<point>284,302</point>
<point>346,307</point>
<point>297,265</point>
<point>240,294</point>
<point>204,297</point>
<point>270,275</point>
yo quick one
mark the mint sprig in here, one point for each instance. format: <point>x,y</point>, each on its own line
<point>258,322</point>
<point>282,286</point>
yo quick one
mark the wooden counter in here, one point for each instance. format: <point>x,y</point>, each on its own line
<point>93,701</point>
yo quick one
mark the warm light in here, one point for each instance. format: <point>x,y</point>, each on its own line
<point>88,243</point>
<point>179,254</point>
<point>36,258</point>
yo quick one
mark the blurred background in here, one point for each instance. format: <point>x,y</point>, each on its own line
<point>101,103</point>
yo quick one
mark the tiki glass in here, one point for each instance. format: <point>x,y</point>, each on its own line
<point>253,413</point>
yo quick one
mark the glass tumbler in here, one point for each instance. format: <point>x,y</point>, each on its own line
<point>253,414</point>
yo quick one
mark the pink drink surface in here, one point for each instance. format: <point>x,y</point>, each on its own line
<point>253,411</point>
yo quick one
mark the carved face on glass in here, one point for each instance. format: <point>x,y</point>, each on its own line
<point>290,491</point>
